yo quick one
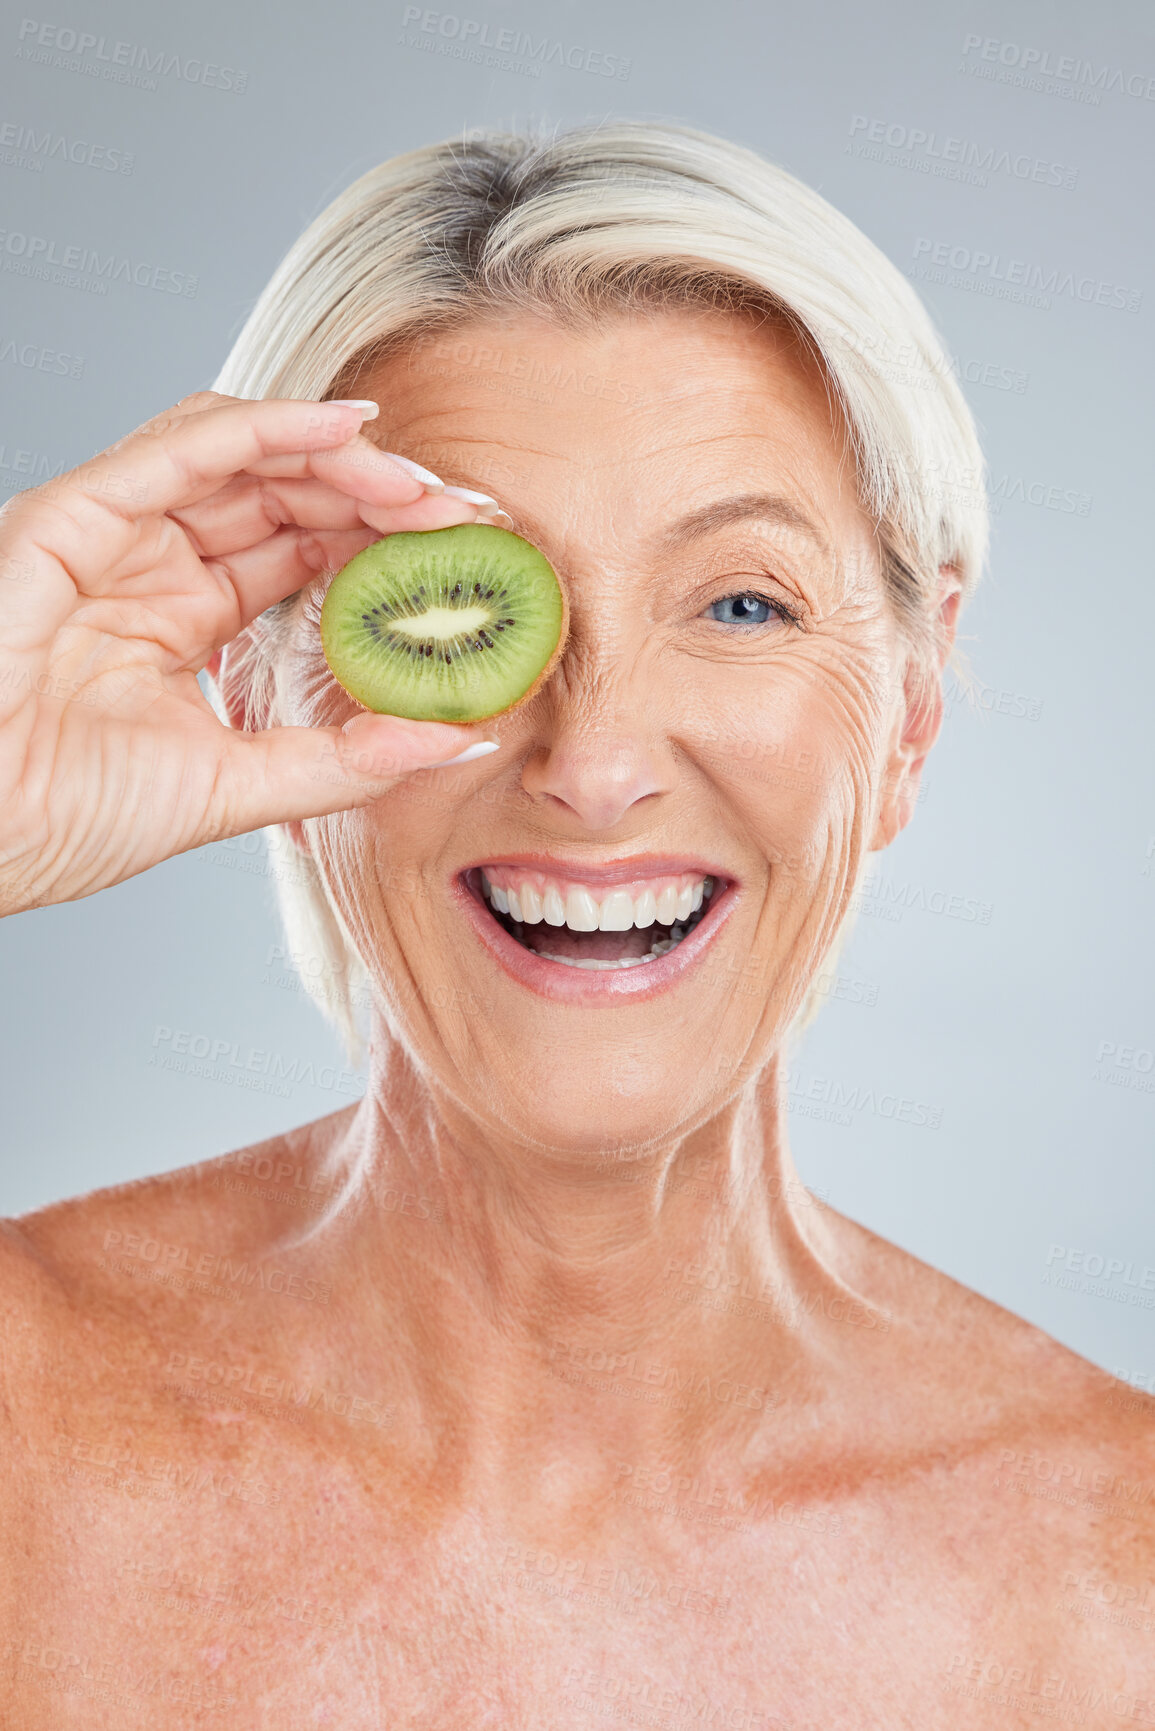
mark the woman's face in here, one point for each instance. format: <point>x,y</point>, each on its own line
<point>729,707</point>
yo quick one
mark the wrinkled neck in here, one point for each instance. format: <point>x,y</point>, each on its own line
<point>666,1303</point>
<point>534,1236</point>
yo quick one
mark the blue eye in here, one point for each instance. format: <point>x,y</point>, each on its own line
<point>742,610</point>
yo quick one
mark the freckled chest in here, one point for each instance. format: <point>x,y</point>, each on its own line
<point>198,1572</point>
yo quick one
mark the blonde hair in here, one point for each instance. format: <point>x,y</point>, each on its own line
<point>623,214</point>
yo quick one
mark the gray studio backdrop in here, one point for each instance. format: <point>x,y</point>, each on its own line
<point>981,1084</point>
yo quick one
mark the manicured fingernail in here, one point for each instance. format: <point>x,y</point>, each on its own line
<point>370,409</point>
<point>482,748</point>
<point>431,482</point>
<point>497,519</point>
<point>470,497</point>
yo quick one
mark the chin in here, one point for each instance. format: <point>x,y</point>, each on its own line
<point>604,1108</point>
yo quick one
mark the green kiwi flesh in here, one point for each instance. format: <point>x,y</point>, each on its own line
<point>445,625</point>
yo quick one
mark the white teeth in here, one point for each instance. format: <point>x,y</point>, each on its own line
<point>553,908</point>
<point>666,905</point>
<point>597,967</point>
<point>660,947</point>
<point>617,912</point>
<point>581,911</point>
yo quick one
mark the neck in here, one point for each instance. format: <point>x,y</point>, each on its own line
<point>660,1299</point>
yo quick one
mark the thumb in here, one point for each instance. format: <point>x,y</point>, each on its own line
<point>286,773</point>
<point>389,745</point>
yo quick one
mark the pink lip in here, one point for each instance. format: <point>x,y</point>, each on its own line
<point>641,865</point>
<point>582,985</point>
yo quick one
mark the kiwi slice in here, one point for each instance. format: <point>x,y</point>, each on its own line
<point>445,624</point>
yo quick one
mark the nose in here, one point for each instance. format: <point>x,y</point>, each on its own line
<point>597,768</point>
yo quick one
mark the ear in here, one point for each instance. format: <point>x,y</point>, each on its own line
<point>230,670</point>
<point>916,724</point>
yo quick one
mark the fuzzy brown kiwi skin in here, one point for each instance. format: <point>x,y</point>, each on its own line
<point>545,673</point>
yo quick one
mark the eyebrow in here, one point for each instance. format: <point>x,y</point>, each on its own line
<point>743,507</point>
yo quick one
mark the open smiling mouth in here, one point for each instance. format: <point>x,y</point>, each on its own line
<point>619,927</point>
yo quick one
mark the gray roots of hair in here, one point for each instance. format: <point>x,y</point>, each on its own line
<point>578,225</point>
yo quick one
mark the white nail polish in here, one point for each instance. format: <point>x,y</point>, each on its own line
<point>482,748</point>
<point>470,496</point>
<point>370,408</point>
<point>497,520</point>
<point>431,482</point>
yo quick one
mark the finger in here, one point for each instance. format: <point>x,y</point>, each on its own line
<point>176,460</point>
<point>195,403</point>
<point>284,562</point>
<point>291,773</point>
<point>362,469</point>
<point>245,511</point>
<point>77,528</point>
<point>194,620</point>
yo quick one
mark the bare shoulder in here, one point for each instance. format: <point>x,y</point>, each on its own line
<point>28,1297</point>
<point>155,1220</point>
<point>145,1255</point>
<point>1047,1458</point>
<point>997,1361</point>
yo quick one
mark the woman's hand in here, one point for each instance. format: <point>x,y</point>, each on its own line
<point>122,579</point>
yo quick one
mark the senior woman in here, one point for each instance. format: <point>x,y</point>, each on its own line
<point>433,1413</point>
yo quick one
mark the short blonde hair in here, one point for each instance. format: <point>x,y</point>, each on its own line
<point>581,222</point>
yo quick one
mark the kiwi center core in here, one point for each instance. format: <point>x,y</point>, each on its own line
<point>442,623</point>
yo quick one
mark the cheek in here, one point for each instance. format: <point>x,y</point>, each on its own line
<point>795,746</point>
<point>380,865</point>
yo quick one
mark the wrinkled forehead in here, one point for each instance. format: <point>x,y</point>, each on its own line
<point>629,420</point>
